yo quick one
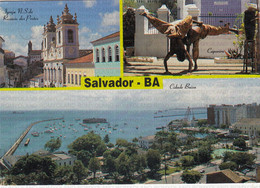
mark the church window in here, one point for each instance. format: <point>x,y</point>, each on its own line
<point>70,36</point>
<point>109,54</point>
<point>68,78</point>
<point>76,79</point>
<point>97,55</point>
<point>117,53</point>
<point>54,73</point>
<point>49,74</point>
<point>59,36</point>
<point>72,80</point>
<point>103,55</point>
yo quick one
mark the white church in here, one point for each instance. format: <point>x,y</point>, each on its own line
<point>60,44</point>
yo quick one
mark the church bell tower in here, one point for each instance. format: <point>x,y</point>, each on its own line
<point>67,42</point>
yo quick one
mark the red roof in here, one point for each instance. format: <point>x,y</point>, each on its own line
<point>85,59</point>
<point>108,37</point>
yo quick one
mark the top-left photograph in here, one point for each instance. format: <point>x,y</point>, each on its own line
<point>55,43</point>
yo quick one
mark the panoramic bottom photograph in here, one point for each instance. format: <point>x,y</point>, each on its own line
<point>192,131</point>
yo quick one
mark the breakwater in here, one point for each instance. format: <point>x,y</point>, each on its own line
<point>19,141</point>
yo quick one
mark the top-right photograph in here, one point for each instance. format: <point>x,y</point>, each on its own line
<point>191,37</point>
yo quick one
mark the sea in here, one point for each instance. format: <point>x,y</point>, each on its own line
<point>121,124</point>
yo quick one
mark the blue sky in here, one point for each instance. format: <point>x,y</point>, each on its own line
<point>96,18</point>
<point>208,91</point>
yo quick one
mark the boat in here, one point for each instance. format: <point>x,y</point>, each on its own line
<point>158,128</point>
<point>48,131</point>
<point>137,127</point>
<point>71,124</point>
<point>35,134</point>
<point>114,128</point>
<point>77,119</point>
<point>86,129</point>
<point>27,142</point>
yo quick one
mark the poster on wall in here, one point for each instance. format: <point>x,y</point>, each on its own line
<point>135,92</point>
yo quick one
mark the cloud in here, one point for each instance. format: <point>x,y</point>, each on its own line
<point>60,3</point>
<point>115,2</point>
<point>2,13</point>
<point>110,19</point>
<point>12,45</point>
<point>208,91</point>
<point>89,3</point>
<point>86,36</point>
<point>36,36</point>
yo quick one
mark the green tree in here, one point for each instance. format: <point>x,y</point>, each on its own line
<point>121,142</point>
<point>135,140</point>
<point>138,163</point>
<point>33,169</point>
<point>79,171</point>
<point>202,122</point>
<point>187,161</point>
<point>64,175</point>
<point>109,164</point>
<point>228,165</point>
<point>240,142</point>
<point>153,159</point>
<point>110,145</point>
<point>84,156</point>
<point>53,144</point>
<point>88,142</point>
<point>94,165</point>
<point>191,176</point>
<point>129,3</point>
<point>124,166</point>
<point>106,138</point>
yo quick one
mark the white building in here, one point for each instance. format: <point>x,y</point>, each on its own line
<point>146,142</point>
<point>37,81</point>
<point>60,44</point>
<point>63,159</point>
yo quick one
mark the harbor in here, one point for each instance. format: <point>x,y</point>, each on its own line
<point>19,141</point>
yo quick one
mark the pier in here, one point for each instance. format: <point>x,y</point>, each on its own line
<point>19,141</point>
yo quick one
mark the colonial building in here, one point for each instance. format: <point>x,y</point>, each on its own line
<point>2,66</point>
<point>107,55</point>
<point>60,45</point>
<point>33,55</point>
<point>37,81</point>
<point>78,68</point>
<point>146,142</point>
<point>22,61</point>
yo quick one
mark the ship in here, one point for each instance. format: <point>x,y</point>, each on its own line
<point>35,134</point>
<point>94,120</point>
<point>27,142</point>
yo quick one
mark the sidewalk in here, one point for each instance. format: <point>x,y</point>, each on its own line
<point>205,67</point>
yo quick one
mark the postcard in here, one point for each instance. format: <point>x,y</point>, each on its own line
<point>135,92</point>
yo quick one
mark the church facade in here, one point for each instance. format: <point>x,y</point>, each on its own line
<point>60,44</point>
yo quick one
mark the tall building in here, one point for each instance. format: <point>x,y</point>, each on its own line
<point>229,114</point>
<point>60,45</point>
<point>33,55</point>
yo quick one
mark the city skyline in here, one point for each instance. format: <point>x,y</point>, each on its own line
<point>208,91</point>
<point>96,18</point>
